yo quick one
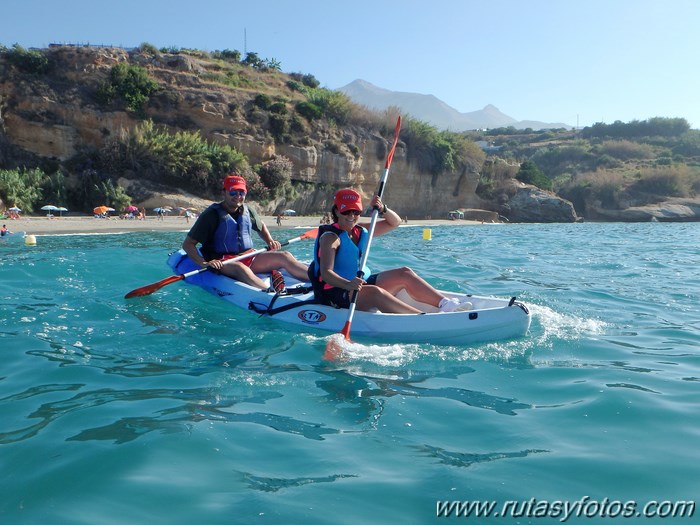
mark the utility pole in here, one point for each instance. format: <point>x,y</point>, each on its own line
<point>245,42</point>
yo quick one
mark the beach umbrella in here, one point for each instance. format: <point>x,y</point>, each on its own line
<point>14,208</point>
<point>60,210</point>
<point>131,208</point>
<point>99,210</point>
<point>49,208</point>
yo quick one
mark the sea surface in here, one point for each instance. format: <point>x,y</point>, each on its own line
<point>176,408</point>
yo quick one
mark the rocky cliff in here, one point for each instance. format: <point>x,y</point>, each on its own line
<point>56,116</point>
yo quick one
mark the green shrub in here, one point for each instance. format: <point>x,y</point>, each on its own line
<point>276,174</point>
<point>55,191</point>
<point>439,151</point>
<point>626,150</point>
<point>668,182</point>
<point>228,55</point>
<point>530,174</point>
<point>334,105</point>
<point>149,49</point>
<point>96,189</point>
<point>555,160</point>
<point>183,157</point>
<point>130,83</point>
<point>309,111</point>
<point>295,86</point>
<point>298,125</point>
<point>307,80</point>
<point>262,101</point>
<point>22,188</point>
<point>279,125</point>
<point>252,59</point>
<point>28,61</point>
<point>279,107</point>
<point>653,127</point>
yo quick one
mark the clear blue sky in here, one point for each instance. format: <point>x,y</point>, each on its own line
<point>570,61</point>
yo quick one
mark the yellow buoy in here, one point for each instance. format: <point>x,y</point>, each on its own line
<point>427,234</point>
<point>30,240</point>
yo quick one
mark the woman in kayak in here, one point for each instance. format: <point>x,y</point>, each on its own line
<point>338,252</point>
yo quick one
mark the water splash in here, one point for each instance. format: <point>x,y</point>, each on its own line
<point>549,325</point>
<point>396,355</point>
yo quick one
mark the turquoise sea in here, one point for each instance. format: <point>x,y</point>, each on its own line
<point>177,409</point>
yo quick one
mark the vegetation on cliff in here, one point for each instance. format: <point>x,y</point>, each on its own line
<point>614,165</point>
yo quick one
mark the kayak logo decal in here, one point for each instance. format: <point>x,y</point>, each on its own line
<point>311,316</point>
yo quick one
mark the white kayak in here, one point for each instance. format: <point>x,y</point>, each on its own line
<point>489,319</point>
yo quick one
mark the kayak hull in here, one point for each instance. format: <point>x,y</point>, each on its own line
<point>491,318</point>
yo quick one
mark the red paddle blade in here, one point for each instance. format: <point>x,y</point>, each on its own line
<point>335,347</point>
<point>150,288</point>
<point>397,129</point>
<point>345,332</point>
<point>311,234</point>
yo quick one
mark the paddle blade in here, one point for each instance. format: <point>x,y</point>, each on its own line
<point>397,130</point>
<point>150,288</point>
<point>311,234</point>
<point>335,347</point>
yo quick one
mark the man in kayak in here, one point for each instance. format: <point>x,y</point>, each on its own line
<point>338,252</point>
<point>225,230</point>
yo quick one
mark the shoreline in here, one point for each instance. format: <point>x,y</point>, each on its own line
<point>91,225</point>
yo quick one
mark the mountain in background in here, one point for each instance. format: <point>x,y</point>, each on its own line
<point>434,111</point>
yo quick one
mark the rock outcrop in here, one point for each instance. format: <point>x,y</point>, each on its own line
<point>531,204</point>
<point>676,210</point>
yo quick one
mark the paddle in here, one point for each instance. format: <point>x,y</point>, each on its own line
<point>332,349</point>
<point>150,288</point>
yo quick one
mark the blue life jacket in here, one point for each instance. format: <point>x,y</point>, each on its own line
<point>347,257</point>
<point>233,236</point>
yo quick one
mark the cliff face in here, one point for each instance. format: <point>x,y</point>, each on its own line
<point>56,116</point>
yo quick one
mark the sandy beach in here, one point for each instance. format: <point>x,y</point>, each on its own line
<point>88,224</point>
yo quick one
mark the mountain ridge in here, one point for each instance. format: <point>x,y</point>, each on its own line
<point>436,112</point>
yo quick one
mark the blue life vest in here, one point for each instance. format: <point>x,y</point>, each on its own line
<point>347,257</point>
<point>233,235</point>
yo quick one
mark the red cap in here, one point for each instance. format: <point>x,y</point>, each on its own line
<point>348,199</point>
<point>234,182</point>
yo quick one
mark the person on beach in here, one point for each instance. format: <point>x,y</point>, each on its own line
<point>337,255</point>
<point>224,230</point>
